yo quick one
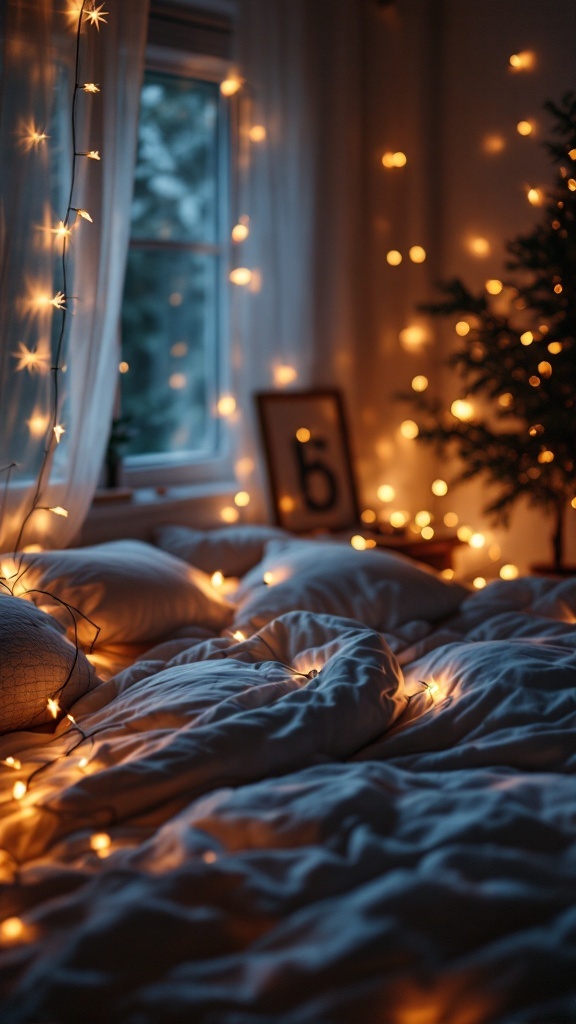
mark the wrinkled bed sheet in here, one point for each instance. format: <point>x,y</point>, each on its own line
<point>319,824</point>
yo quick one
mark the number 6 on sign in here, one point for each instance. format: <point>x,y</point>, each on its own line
<point>308,460</point>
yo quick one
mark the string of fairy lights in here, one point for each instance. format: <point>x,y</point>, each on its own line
<point>38,361</point>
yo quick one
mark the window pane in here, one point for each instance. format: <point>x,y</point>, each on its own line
<point>169,342</point>
<point>176,181</point>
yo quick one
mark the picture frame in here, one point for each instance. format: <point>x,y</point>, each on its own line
<point>306,447</point>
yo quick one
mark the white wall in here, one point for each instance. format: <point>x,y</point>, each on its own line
<point>437,82</point>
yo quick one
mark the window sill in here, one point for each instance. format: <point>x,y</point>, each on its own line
<point>135,513</point>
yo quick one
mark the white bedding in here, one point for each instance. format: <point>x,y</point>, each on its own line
<point>389,841</point>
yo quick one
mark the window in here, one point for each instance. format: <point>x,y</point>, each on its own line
<point>174,322</point>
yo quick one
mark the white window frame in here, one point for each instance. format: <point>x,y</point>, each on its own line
<point>185,468</point>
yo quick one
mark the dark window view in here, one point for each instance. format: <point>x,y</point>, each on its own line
<point>170,316</point>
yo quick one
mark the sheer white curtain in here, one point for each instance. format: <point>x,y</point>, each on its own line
<point>37,142</point>
<point>300,187</point>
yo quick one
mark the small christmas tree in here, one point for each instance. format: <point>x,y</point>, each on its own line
<point>518,355</point>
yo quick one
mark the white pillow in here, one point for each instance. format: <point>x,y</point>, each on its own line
<point>35,662</point>
<point>132,591</point>
<point>379,588</point>
<point>231,549</point>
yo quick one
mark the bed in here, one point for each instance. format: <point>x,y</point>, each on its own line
<point>323,786</point>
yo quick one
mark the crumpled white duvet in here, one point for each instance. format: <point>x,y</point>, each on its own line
<point>318,825</point>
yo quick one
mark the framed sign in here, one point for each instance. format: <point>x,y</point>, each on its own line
<point>308,460</point>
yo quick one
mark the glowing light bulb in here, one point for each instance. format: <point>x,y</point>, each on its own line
<point>257,133</point>
<point>123,367</point>
<point>555,347</point>
<point>464,533</point>
<point>386,493</point>
<point>287,503</point>
<point>534,381</point>
<point>32,360</point>
<point>477,540</point>
<point>53,707</point>
<point>397,159</point>
<point>427,532</point>
<point>439,488</point>
<point>535,196</point>
<point>58,430</point>
<point>462,328</point>
<point>494,286</point>
<point>12,929</point>
<point>229,514</point>
<point>397,519</point>
<point>19,790</point>
<point>61,231</point>
<point>479,246</point>
<point>84,215</point>
<point>423,518</point>
<point>217,579</point>
<point>303,435</point>
<point>177,381</point>
<point>419,383</point>
<point>546,456</point>
<point>240,276</point>
<point>545,369</point>
<point>241,230</point>
<point>100,841</point>
<point>523,61</point>
<point>462,410</point>
<point>96,16</point>
<point>226,405</point>
<point>447,574</point>
<point>242,499</point>
<point>90,87</point>
<point>413,337</point>
<point>394,258</point>
<point>493,143</point>
<point>83,762</point>
<point>368,516</point>
<point>450,520</point>
<point>12,762</point>
<point>409,429</point>
<point>524,128</point>
<point>558,289</point>
<point>285,374</point>
<point>209,857</point>
<point>573,502</point>
<point>358,542</point>
<point>238,635</point>
<point>526,338</point>
<point>417,254</point>
<point>509,571</point>
<point>268,578</point>
<point>479,582</point>
<point>59,511</point>
<point>572,184</point>
<point>230,85</point>
<point>506,400</point>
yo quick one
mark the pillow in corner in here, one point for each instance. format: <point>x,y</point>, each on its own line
<point>35,662</point>
<point>232,550</point>
<point>134,592</point>
<point>380,588</point>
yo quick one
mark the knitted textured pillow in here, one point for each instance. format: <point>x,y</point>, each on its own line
<point>36,662</point>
